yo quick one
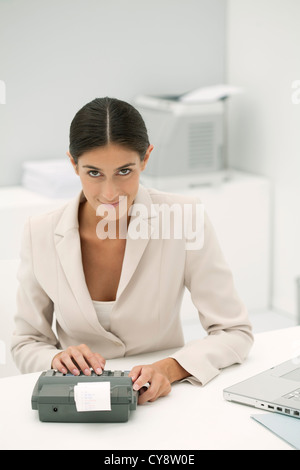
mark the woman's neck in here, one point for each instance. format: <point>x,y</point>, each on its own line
<point>91,225</point>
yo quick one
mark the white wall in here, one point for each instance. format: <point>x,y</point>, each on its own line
<point>263,47</point>
<point>56,55</point>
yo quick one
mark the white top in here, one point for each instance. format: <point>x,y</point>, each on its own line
<point>103,310</point>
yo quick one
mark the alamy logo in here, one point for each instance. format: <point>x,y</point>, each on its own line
<point>2,92</point>
<point>160,221</point>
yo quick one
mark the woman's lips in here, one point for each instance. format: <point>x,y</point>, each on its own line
<point>114,204</point>
<point>110,203</point>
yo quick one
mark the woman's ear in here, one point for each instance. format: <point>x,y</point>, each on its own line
<point>147,156</point>
<point>73,162</point>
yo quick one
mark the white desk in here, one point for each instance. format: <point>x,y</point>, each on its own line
<point>190,418</point>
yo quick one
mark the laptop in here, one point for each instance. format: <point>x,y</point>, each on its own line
<point>276,389</point>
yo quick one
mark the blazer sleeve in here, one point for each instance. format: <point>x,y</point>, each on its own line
<point>221,312</point>
<point>34,343</point>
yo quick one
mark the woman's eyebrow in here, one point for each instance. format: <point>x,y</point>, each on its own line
<point>99,169</point>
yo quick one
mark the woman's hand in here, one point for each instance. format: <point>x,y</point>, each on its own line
<point>159,376</point>
<point>78,358</point>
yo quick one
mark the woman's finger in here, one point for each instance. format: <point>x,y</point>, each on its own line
<point>95,360</point>
<point>58,365</point>
<point>65,360</point>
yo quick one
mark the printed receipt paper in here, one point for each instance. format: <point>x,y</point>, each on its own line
<point>94,396</point>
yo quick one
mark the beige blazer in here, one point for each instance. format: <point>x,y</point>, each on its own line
<point>146,314</point>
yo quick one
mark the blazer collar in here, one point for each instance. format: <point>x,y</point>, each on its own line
<point>142,211</point>
<point>69,218</point>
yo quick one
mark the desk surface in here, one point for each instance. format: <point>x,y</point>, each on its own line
<point>190,418</point>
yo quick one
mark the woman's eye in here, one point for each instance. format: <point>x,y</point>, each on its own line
<point>94,173</point>
<point>124,171</point>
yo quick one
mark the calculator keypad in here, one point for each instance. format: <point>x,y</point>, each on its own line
<point>105,373</point>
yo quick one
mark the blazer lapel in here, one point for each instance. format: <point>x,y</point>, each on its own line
<point>133,253</point>
<point>138,236</point>
<point>68,248</point>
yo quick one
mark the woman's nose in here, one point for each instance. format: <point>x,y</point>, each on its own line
<point>109,193</point>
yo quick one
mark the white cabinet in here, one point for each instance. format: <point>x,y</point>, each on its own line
<point>16,205</point>
<point>239,207</point>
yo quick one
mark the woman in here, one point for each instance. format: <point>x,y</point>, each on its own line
<point>115,293</point>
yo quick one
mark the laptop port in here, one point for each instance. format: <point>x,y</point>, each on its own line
<point>271,407</point>
<point>296,413</point>
<point>279,409</point>
<point>287,411</point>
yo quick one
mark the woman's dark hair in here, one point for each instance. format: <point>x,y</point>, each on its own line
<point>107,120</point>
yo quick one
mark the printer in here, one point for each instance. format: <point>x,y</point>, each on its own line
<point>188,139</point>
<point>54,397</point>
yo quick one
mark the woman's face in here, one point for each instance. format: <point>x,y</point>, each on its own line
<point>108,174</point>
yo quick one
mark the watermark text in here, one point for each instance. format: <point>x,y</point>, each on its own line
<point>160,221</point>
